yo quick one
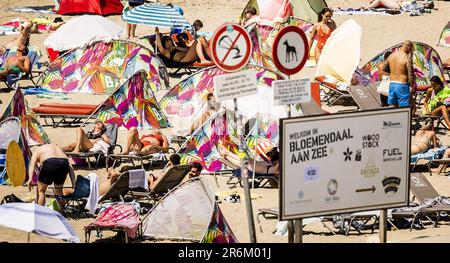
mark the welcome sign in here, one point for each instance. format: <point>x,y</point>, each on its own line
<point>344,163</point>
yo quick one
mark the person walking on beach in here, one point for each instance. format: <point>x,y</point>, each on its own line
<point>402,79</point>
<point>54,166</point>
<point>322,30</point>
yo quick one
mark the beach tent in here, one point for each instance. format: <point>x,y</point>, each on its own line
<point>34,218</point>
<point>188,213</point>
<point>81,31</point>
<point>342,52</point>
<point>133,104</point>
<point>281,9</point>
<point>444,39</point>
<point>97,7</point>
<point>263,36</point>
<point>101,67</point>
<point>186,101</point>
<point>427,63</point>
<point>31,128</point>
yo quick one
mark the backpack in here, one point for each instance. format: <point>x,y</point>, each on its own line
<point>12,198</point>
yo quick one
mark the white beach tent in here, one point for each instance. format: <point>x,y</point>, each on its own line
<point>342,52</point>
<point>34,218</point>
<point>81,31</point>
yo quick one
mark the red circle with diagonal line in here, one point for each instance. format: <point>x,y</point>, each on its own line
<point>290,39</point>
<point>231,47</point>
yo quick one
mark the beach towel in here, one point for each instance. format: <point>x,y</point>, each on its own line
<point>431,154</point>
<point>8,30</point>
<point>92,201</point>
<point>119,215</point>
<point>137,179</point>
<point>36,10</point>
<point>360,11</point>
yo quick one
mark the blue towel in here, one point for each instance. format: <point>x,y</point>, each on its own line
<point>431,154</point>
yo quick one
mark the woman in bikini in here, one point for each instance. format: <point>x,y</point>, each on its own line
<point>150,143</point>
<point>183,55</point>
<point>437,100</point>
<point>425,138</point>
<point>95,140</point>
<point>322,30</point>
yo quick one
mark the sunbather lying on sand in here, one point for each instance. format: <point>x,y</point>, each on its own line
<point>398,4</point>
<point>150,143</point>
<point>425,138</point>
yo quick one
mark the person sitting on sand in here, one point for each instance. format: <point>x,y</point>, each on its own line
<point>425,138</point>
<point>437,100</point>
<point>183,55</point>
<point>95,140</point>
<point>16,64</point>
<point>153,180</point>
<point>322,29</point>
<point>259,167</point>
<point>53,166</point>
<point>152,142</point>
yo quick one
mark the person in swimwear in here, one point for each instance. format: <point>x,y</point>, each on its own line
<point>95,140</point>
<point>199,50</point>
<point>150,143</point>
<point>392,4</point>
<point>16,64</point>
<point>322,30</point>
<point>425,138</point>
<point>437,100</point>
<point>54,166</point>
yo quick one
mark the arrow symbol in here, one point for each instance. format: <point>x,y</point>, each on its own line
<point>366,189</point>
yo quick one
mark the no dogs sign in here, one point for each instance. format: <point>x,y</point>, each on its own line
<point>290,50</point>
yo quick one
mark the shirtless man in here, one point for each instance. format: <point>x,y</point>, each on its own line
<point>402,79</point>
<point>54,166</point>
<point>20,63</point>
<point>424,139</point>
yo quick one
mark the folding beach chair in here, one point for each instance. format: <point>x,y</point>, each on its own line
<point>426,194</point>
<point>258,181</point>
<point>74,204</point>
<point>118,189</point>
<point>67,114</point>
<point>331,93</point>
<point>150,160</point>
<point>11,80</point>
<point>117,217</point>
<point>364,97</point>
<point>169,180</point>
<point>428,157</point>
<point>111,132</point>
<point>311,108</point>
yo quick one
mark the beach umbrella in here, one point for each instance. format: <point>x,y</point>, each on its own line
<point>156,15</point>
<point>34,218</point>
<point>81,31</point>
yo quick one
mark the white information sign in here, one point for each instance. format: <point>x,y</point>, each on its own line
<point>235,85</point>
<point>292,91</point>
<point>344,163</point>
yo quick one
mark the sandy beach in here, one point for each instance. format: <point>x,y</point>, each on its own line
<point>379,33</point>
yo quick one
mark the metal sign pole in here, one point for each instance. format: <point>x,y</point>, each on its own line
<point>383,226</point>
<point>298,231</point>
<point>244,178</point>
<point>290,231</point>
<point>289,112</point>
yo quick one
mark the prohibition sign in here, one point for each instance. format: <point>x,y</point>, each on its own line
<point>231,47</point>
<point>290,50</point>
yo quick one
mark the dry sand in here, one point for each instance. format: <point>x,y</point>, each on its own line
<point>379,33</point>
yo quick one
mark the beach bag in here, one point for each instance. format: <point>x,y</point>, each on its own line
<point>383,88</point>
<point>12,198</point>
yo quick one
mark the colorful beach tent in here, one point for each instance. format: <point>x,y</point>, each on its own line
<point>133,104</point>
<point>81,31</point>
<point>281,9</point>
<point>157,15</point>
<point>188,213</point>
<point>31,128</point>
<point>101,67</point>
<point>342,52</point>
<point>34,218</point>
<point>263,36</point>
<point>444,39</point>
<point>427,63</point>
<point>97,7</point>
<point>186,101</point>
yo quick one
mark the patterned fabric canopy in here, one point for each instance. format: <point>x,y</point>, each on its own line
<point>444,39</point>
<point>155,15</point>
